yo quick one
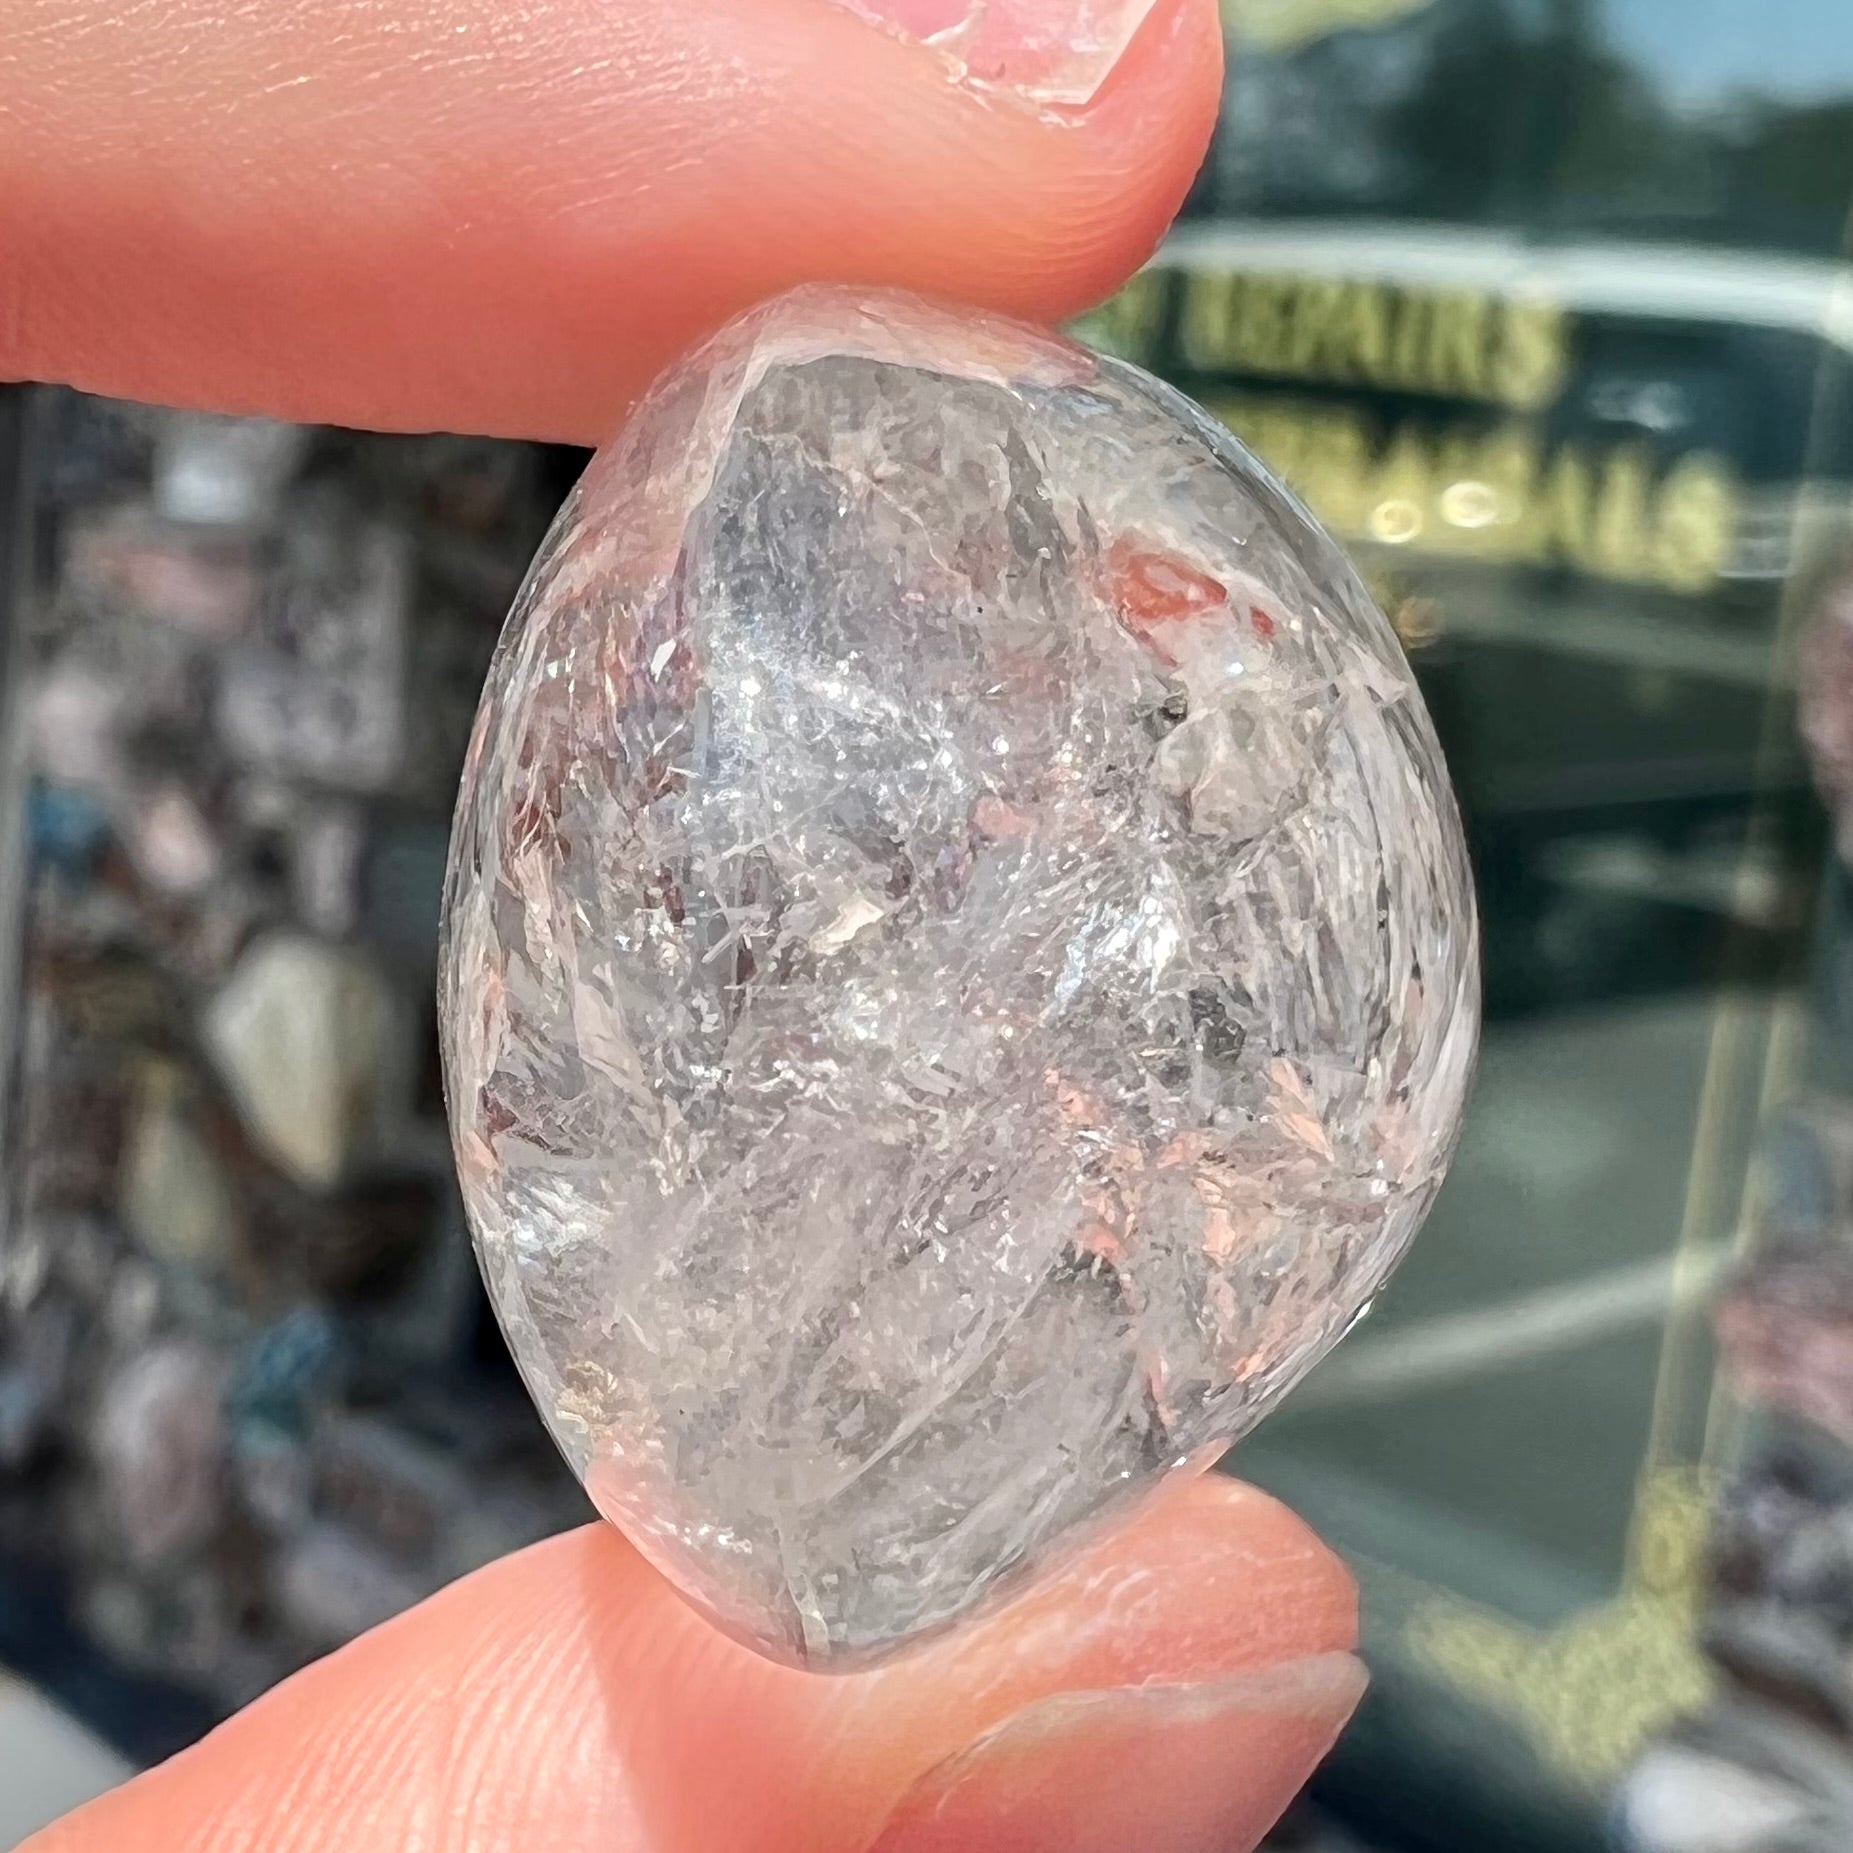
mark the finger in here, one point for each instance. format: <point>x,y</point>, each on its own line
<point>566,1698</point>
<point>460,214</point>
<point>1216,1764</point>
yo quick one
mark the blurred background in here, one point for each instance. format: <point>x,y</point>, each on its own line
<point>1546,307</point>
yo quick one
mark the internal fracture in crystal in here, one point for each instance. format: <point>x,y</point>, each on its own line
<point>960,972</point>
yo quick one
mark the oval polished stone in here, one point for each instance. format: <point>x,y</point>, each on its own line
<point>960,974</point>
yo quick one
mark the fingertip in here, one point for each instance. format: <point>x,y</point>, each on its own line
<point>1208,1578</point>
<point>857,160</point>
<point>462,217</point>
<point>1104,182</point>
<point>1208,1582</point>
<point>1189,1769</point>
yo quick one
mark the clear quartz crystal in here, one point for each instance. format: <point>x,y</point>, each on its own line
<point>960,973</point>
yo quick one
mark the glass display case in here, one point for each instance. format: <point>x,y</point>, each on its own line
<point>251,1400</point>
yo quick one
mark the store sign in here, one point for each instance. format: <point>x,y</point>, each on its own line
<point>1608,510</point>
<point>1405,453</point>
<point>1455,344</point>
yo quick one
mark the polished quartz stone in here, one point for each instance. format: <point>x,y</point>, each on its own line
<point>960,973</point>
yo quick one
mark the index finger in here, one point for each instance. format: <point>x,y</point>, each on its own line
<point>457,214</point>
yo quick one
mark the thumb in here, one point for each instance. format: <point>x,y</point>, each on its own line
<point>566,1698</point>
<point>506,219</point>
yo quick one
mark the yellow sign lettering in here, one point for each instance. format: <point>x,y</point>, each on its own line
<point>1205,319</point>
<point>1456,356</point>
<point>1346,331</point>
<point>1621,542</point>
<point>1529,356</point>
<point>1130,323</point>
<point>1494,494</point>
<point>1697,523</point>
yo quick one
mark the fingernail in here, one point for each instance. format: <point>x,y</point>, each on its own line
<point>1055,52</point>
<point>1166,1769</point>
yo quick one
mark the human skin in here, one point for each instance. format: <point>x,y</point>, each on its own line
<point>504,216</point>
<point>1166,1693</point>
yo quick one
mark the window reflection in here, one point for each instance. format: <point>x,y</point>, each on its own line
<point>1544,305</point>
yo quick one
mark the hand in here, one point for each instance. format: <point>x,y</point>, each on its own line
<point>505,218</point>
<point>1167,1692</point>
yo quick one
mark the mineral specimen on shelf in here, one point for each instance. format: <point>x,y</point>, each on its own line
<point>960,976</point>
<point>300,1032</point>
<point>247,660</point>
<point>318,690</point>
<point>224,472</point>
<point>176,1199</point>
<point>160,1448</point>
